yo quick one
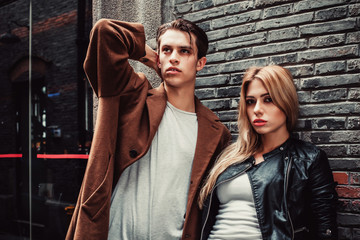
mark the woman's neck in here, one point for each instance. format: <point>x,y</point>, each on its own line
<point>272,141</point>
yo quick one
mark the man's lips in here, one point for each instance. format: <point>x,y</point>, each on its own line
<point>259,122</point>
<point>172,70</point>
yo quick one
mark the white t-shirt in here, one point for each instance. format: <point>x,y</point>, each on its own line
<point>236,218</point>
<point>149,200</point>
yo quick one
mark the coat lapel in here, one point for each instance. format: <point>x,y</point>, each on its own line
<point>209,135</point>
<point>156,103</point>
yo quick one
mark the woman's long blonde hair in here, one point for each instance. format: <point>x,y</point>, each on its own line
<point>279,82</point>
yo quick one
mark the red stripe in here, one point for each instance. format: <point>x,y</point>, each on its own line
<point>63,156</point>
<point>11,155</point>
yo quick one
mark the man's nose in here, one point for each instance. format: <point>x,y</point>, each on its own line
<point>174,58</point>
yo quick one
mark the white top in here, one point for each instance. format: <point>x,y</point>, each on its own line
<point>237,215</point>
<point>149,200</point>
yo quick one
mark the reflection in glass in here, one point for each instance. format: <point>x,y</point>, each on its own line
<point>61,115</point>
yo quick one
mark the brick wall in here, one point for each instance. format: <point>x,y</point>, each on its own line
<point>318,41</point>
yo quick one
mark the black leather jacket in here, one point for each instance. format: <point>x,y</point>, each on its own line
<point>294,193</point>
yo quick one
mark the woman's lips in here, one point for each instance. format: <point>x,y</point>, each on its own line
<point>259,122</point>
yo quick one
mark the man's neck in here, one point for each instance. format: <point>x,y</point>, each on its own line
<point>183,99</point>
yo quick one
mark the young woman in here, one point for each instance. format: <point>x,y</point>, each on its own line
<point>268,185</point>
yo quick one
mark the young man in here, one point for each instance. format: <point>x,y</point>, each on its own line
<point>151,147</point>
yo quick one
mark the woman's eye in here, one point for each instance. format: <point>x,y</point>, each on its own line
<point>268,99</point>
<point>249,101</point>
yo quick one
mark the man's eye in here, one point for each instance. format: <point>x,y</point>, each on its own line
<point>166,50</point>
<point>249,101</point>
<point>268,99</point>
<point>185,51</point>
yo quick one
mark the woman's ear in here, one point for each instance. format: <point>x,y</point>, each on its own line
<point>200,63</point>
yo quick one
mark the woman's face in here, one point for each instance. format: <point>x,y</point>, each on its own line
<point>265,117</point>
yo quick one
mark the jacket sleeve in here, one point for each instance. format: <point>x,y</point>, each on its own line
<point>324,198</point>
<point>106,64</point>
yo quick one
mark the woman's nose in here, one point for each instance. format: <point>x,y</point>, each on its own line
<point>258,108</point>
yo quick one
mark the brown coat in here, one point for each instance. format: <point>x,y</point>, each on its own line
<point>129,114</point>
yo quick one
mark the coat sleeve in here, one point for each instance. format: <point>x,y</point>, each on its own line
<point>106,64</point>
<point>324,198</point>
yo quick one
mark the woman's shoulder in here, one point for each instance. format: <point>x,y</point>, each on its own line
<point>304,150</point>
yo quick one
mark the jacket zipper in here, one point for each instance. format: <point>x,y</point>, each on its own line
<point>286,191</point>
<point>211,194</point>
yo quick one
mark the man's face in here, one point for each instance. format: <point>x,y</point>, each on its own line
<point>178,59</point>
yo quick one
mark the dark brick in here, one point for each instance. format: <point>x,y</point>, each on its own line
<point>330,109</point>
<point>204,15</point>
<point>354,123</point>
<point>262,3</point>
<point>310,4</point>
<point>217,104</point>
<point>328,27</point>
<point>301,70</point>
<point>236,19</point>
<point>329,95</point>
<point>353,64</point>
<point>241,41</point>
<point>334,150</point>
<point>240,53</point>
<point>354,10</point>
<point>354,94</point>
<point>330,53</point>
<point>220,2</point>
<point>279,48</point>
<point>243,64</point>
<point>330,67</point>
<point>346,205</point>
<point>230,115</point>
<point>277,11</point>
<point>354,150</point>
<point>200,5</point>
<point>345,233</point>
<point>354,178</point>
<point>330,81</point>
<point>180,1</point>
<point>211,69</point>
<point>329,123</point>
<point>183,8</point>
<point>331,13</point>
<point>328,40</point>
<point>345,165</point>
<point>228,92</point>
<point>236,79</point>
<point>283,59</point>
<point>356,233</point>
<point>238,7</point>
<point>284,21</point>
<point>215,57</point>
<point>283,34</point>
<point>242,29</point>
<point>304,96</point>
<point>212,81</point>
<point>205,93</point>
<point>217,34</point>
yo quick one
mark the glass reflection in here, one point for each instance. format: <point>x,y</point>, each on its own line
<point>61,115</point>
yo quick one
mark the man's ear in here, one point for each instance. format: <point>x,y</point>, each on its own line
<point>200,63</point>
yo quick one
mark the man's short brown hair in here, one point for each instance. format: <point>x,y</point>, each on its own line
<point>202,42</point>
